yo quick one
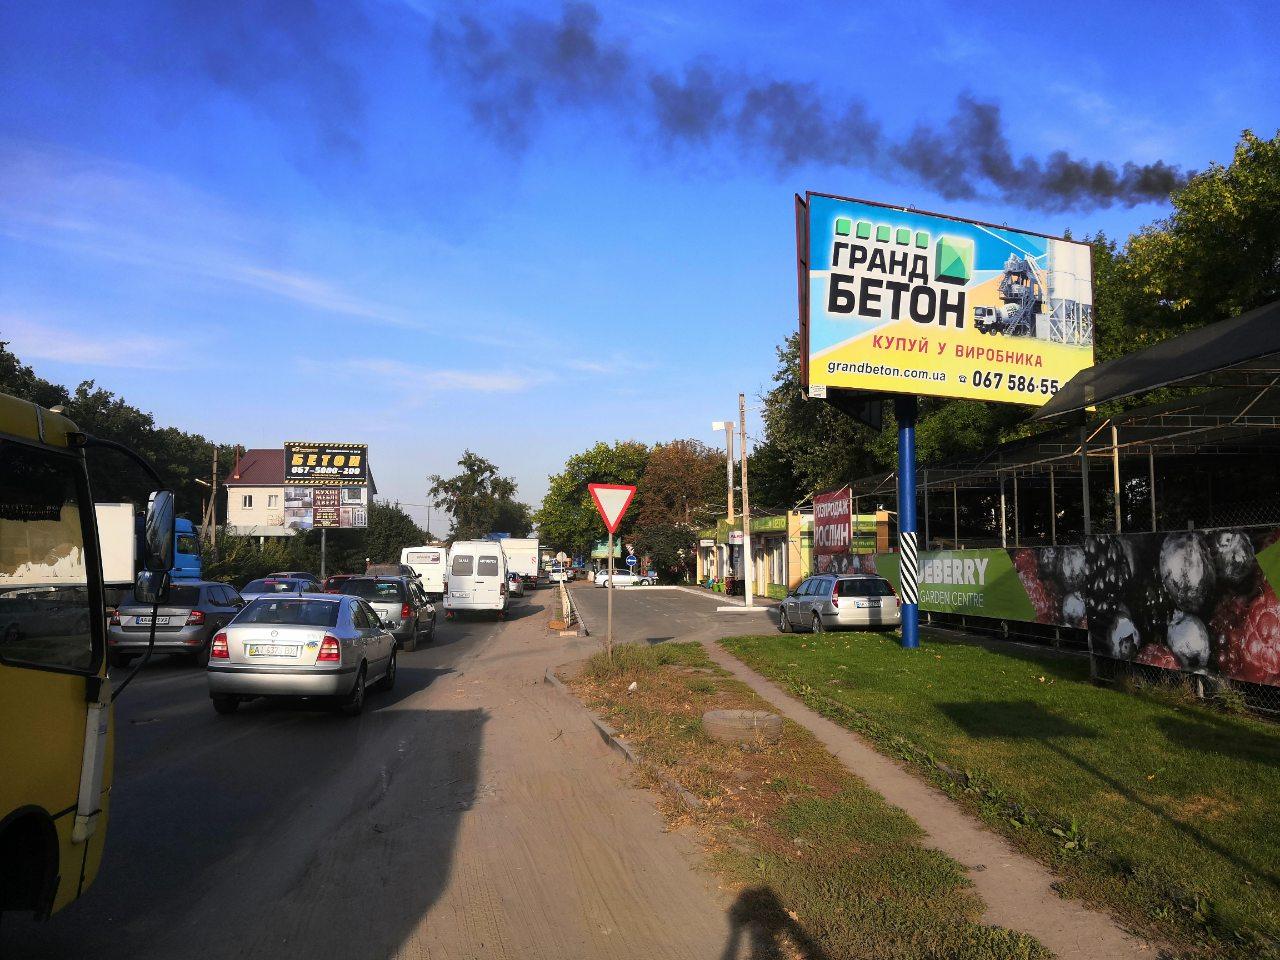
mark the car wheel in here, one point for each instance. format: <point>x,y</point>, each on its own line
<point>225,705</point>
<point>431,630</point>
<point>816,625</point>
<point>353,704</point>
<point>784,625</point>
<point>121,659</point>
<point>202,655</point>
<point>389,678</point>
<point>411,644</point>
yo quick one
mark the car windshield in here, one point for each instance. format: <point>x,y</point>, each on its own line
<point>180,595</point>
<point>374,589</point>
<point>309,613</point>
<point>870,587</point>
<point>272,586</point>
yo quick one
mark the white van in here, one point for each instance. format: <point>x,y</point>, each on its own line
<point>428,563</point>
<point>477,577</point>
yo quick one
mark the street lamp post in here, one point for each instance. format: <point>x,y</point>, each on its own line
<point>727,426</point>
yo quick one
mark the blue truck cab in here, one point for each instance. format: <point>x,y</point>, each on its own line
<point>186,551</point>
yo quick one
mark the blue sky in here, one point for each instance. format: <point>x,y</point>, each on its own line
<point>387,222</point>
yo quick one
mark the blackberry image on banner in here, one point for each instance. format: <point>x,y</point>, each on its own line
<point>1107,576</point>
<point>1121,638</point>
<point>1187,570</point>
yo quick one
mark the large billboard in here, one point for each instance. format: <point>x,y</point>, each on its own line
<point>326,464</point>
<point>899,301</point>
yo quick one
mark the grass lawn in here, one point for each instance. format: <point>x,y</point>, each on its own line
<point>1162,810</point>
<point>822,866</point>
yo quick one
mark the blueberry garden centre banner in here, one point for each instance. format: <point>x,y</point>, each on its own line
<point>1024,584</point>
<point>899,301</point>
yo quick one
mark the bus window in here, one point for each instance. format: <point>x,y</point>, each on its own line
<point>44,583</point>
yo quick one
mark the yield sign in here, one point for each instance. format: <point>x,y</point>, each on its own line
<point>612,500</point>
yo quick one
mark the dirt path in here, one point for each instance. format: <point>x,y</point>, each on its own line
<point>554,857</point>
<point>1016,889</point>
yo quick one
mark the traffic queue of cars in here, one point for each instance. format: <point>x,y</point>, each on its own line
<point>289,635</point>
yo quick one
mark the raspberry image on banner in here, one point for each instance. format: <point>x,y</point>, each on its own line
<point>1233,557</point>
<point>1157,655</point>
<point>1188,639</point>
<point>1071,568</point>
<point>1246,632</point>
<point>1187,570</point>
<point>1042,591</point>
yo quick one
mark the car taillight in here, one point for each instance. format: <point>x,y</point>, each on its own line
<point>330,651</point>
<point>218,651</point>
<point>406,611</point>
<point>195,618</point>
<point>835,601</point>
<point>113,618</point>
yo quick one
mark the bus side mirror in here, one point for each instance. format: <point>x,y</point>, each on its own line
<point>158,533</point>
<point>151,587</point>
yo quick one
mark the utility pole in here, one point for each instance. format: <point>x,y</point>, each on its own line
<point>746,507</point>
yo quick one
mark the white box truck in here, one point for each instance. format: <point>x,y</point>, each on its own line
<point>522,557</point>
<point>428,562</point>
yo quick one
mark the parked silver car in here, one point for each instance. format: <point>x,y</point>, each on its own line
<point>843,600</point>
<point>309,645</point>
<point>185,623</point>
<point>402,604</point>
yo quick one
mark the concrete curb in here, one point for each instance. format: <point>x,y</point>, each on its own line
<point>610,736</point>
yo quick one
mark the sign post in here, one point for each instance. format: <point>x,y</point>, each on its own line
<point>905,409</point>
<point>612,500</point>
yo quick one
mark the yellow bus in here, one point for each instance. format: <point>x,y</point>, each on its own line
<point>55,700</point>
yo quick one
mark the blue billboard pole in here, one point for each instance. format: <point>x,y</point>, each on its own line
<point>905,408</point>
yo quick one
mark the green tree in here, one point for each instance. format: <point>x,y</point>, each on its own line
<point>479,500</point>
<point>567,519</point>
<point>681,489</point>
<point>390,530</point>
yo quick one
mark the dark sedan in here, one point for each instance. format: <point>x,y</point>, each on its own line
<point>185,623</point>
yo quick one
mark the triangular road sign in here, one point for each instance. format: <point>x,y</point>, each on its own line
<point>612,500</point>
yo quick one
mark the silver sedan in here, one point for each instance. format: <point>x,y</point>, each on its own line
<point>302,645</point>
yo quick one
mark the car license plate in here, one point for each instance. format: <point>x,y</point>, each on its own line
<point>146,621</point>
<point>272,650</point>
<point>868,604</point>
<point>461,595</point>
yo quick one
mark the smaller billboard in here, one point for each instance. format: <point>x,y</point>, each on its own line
<point>307,508</point>
<point>326,464</point>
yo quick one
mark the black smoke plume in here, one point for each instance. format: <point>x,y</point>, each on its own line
<point>517,72</point>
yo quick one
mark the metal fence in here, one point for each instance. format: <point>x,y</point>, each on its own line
<point>1254,696</point>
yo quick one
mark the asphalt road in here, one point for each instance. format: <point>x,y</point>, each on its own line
<point>471,812</point>
<point>654,614</point>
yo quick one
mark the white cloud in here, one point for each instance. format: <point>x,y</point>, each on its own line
<point>410,380</point>
<point>128,214</point>
<point>40,340</point>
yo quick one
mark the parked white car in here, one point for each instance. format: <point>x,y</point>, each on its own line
<point>623,578</point>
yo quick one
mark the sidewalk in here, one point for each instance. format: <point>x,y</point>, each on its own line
<point>1018,891</point>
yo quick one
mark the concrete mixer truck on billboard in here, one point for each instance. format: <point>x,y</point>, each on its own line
<point>898,301</point>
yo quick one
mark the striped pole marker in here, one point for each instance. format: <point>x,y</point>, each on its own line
<point>908,552</point>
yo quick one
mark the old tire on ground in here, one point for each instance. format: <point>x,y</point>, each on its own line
<point>742,726</point>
